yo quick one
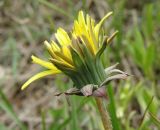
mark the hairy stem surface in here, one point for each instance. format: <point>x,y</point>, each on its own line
<point>104,115</point>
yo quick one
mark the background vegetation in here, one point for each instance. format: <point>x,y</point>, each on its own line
<point>25,24</point>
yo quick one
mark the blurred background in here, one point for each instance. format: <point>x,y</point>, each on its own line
<point>26,24</point>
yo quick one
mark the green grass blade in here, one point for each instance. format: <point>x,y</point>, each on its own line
<point>6,106</point>
<point>54,7</point>
<point>43,117</point>
<point>155,120</point>
<point>145,112</point>
<point>75,124</point>
<point>112,109</point>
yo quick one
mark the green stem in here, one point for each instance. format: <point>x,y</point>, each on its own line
<point>104,115</point>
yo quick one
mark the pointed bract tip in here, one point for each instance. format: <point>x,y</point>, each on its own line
<point>112,36</point>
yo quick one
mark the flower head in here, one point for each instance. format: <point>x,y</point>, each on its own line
<point>78,56</point>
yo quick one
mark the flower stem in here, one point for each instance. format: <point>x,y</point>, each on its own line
<point>104,115</point>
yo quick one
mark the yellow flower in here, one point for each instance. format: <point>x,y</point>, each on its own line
<point>76,55</point>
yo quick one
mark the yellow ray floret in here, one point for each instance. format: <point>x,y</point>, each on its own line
<point>62,37</point>
<point>82,28</point>
<point>54,46</point>
<point>38,76</point>
<point>50,49</point>
<point>85,26</point>
<point>43,63</point>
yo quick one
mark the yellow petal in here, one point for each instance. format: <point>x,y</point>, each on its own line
<point>64,58</point>
<point>67,52</point>
<point>82,26</point>
<point>88,44</point>
<point>64,33</point>
<point>92,38</point>
<point>38,76</point>
<point>98,26</point>
<point>43,63</point>
<point>62,37</point>
<point>48,46</point>
<point>81,19</point>
<point>63,63</point>
<point>76,29</point>
<point>54,46</point>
